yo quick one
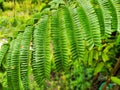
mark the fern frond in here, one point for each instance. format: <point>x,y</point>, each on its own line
<point>101,17</point>
<point>113,13</point>
<point>107,17</point>
<point>110,20</point>
<point>59,41</point>
<point>116,5</point>
<point>15,63</point>
<point>3,52</point>
<point>41,53</point>
<point>90,22</point>
<point>24,57</point>
<point>9,73</point>
<point>74,33</point>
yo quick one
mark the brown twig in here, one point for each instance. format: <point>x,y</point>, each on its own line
<point>116,67</point>
<point>113,72</point>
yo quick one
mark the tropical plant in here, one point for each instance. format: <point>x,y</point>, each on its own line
<point>71,43</point>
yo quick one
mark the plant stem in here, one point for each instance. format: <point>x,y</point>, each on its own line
<point>113,72</point>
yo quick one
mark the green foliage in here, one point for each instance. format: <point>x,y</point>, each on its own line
<point>59,41</point>
<point>74,33</point>
<point>41,51</point>
<point>15,63</point>
<point>116,80</point>
<point>91,24</point>
<point>24,57</point>
<point>9,73</point>
<point>72,41</point>
<point>3,52</point>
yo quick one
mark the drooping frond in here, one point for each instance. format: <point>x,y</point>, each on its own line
<point>116,5</point>
<point>41,53</point>
<point>3,52</point>
<point>15,63</point>
<point>107,14</point>
<point>9,73</point>
<point>113,13</point>
<point>90,23</point>
<point>59,41</point>
<point>104,6</point>
<point>101,17</point>
<point>74,33</point>
<point>24,57</point>
<point>79,34</point>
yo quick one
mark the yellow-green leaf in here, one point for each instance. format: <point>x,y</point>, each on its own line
<point>105,57</point>
<point>115,80</point>
<point>98,68</point>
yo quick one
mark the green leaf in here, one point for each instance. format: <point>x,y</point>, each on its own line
<point>90,57</point>
<point>115,80</point>
<point>98,68</point>
<point>96,55</point>
<point>3,52</point>
<point>105,57</point>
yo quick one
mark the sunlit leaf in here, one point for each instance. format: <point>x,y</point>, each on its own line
<point>98,68</point>
<point>115,80</point>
